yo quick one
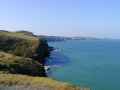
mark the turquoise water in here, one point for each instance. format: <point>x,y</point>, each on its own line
<point>87,63</point>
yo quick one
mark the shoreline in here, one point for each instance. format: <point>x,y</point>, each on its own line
<point>22,61</point>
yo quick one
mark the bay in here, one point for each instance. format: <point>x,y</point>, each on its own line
<point>87,63</point>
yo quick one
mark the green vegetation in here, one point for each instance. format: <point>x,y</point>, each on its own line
<point>18,43</point>
<point>23,44</point>
<point>22,53</point>
<point>10,63</point>
<point>22,57</point>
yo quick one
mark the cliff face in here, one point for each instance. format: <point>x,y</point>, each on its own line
<point>22,45</point>
<point>25,53</point>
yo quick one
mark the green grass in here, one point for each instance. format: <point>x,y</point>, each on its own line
<point>10,63</point>
<point>17,35</point>
<point>22,44</point>
<point>18,43</point>
<point>22,53</point>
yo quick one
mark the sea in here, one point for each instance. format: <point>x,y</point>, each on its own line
<point>87,63</point>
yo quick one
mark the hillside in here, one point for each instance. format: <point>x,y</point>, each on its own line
<point>34,83</point>
<point>22,57</point>
<point>21,44</point>
<point>10,63</point>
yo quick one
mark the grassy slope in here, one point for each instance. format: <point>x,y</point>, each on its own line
<point>10,63</point>
<point>18,43</point>
<point>16,50</point>
<point>9,79</point>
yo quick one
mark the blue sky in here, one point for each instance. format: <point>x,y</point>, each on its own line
<point>97,18</point>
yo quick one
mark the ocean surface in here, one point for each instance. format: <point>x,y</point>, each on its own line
<point>87,63</point>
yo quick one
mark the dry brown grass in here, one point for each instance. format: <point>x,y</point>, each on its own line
<point>23,80</point>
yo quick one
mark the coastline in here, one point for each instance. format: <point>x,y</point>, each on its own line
<point>22,61</point>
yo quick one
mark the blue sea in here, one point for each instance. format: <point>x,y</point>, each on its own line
<point>87,63</point>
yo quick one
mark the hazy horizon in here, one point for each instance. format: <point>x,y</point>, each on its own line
<point>91,18</point>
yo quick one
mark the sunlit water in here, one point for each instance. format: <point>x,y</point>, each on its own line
<point>87,63</point>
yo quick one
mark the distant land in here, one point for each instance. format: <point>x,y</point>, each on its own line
<point>51,38</point>
<point>63,38</point>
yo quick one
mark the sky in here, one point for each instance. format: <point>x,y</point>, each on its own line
<point>91,18</point>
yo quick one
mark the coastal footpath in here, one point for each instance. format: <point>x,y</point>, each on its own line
<point>22,58</point>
